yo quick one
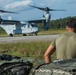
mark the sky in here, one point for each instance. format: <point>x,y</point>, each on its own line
<point>28,13</point>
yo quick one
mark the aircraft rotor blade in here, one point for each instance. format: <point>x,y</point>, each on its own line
<point>47,9</point>
<point>57,10</point>
<point>37,7</point>
<point>3,11</point>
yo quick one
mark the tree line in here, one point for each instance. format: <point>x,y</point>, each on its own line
<point>57,24</point>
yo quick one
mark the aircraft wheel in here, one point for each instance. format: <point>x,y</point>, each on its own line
<point>11,35</point>
<point>24,34</point>
<point>36,34</point>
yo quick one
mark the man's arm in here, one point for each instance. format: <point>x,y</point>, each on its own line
<point>50,50</point>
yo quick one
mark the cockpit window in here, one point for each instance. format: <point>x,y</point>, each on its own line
<point>33,25</point>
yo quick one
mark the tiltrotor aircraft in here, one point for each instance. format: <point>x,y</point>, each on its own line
<point>17,27</point>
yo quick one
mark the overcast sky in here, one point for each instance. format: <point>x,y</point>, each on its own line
<point>28,13</point>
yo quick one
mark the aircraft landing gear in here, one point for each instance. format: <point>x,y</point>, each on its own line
<point>11,35</point>
<point>24,34</point>
<point>36,34</point>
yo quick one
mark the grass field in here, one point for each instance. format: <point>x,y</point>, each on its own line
<point>23,49</point>
<point>47,32</point>
<point>30,51</point>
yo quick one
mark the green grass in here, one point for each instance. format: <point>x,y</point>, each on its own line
<point>23,49</point>
<point>47,32</point>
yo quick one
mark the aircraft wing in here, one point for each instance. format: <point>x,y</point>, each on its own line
<point>36,21</point>
<point>9,22</point>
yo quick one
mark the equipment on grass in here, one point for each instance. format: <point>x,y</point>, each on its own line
<point>66,67</point>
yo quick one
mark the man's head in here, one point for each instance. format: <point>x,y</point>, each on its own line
<point>71,25</point>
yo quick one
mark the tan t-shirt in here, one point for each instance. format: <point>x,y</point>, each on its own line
<point>65,46</point>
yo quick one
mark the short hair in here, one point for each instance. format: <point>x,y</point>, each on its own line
<point>71,23</point>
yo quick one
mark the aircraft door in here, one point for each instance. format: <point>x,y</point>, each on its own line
<point>27,29</point>
<point>17,29</point>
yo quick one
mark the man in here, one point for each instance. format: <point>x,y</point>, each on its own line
<point>64,44</point>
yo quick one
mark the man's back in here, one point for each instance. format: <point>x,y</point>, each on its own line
<point>66,46</point>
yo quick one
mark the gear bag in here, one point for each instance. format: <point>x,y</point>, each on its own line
<point>66,67</point>
<point>16,68</point>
